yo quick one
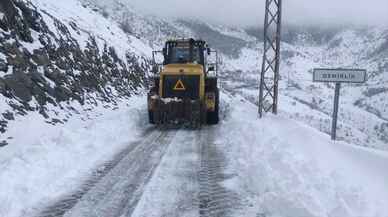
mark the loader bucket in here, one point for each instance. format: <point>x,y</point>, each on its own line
<point>179,112</point>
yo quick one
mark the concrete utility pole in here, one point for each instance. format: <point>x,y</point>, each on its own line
<point>269,78</point>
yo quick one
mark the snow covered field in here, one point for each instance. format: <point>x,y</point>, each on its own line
<point>274,167</point>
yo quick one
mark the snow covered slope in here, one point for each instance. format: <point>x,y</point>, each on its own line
<point>56,54</point>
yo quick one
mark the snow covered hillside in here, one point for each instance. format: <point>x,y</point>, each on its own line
<point>312,103</point>
<point>55,56</point>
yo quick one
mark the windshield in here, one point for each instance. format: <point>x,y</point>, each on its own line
<point>183,53</point>
<point>180,55</point>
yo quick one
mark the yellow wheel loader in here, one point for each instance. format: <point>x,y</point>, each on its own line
<point>184,87</point>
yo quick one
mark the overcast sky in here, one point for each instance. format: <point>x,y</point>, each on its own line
<point>250,12</point>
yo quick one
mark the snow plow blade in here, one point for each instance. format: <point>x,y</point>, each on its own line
<point>177,112</point>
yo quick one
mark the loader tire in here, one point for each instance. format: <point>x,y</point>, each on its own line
<point>213,117</point>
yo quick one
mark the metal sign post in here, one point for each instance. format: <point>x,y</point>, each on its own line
<point>335,111</point>
<point>338,76</point>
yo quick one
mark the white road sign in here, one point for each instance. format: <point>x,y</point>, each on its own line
<point>339,75</point>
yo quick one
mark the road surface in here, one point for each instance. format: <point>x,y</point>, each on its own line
<point>167,173</point>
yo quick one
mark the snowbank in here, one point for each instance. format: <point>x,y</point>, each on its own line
<point>286,169</point>
<point>43,162</point>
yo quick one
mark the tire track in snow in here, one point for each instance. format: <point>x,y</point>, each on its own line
<point>173,190</point>
<point>118,186</point>
<point>189,180</point>
<point>214,199</point>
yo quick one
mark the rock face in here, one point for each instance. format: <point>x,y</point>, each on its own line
<point>48,65</point>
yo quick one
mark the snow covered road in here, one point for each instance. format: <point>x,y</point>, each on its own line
<point>168,173</point>
<point>119,191</point>
<point>243,167</point>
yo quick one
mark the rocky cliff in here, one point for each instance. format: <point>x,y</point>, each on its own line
<point>49,61</point>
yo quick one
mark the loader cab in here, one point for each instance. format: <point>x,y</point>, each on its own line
<point>184,51</point>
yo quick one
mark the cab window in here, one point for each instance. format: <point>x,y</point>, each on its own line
<point>180,55</point>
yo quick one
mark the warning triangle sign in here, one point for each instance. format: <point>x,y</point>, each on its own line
<point>179,85</point>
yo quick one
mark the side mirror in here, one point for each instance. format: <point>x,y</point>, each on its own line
<point>208,51</point>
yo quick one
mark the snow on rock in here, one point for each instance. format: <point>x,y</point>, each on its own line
<point>284,168</point>
<point>9,70</point>
<point>65,52</point>
<point>94,23</point>
<point>31,46</point>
